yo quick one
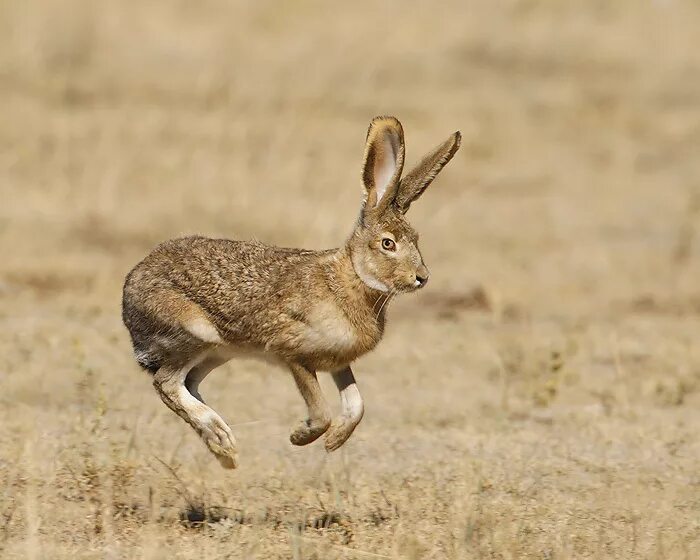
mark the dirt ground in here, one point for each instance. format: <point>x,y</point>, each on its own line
<point>539,399</point>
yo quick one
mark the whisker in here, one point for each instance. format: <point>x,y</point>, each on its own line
<point>380,298</point>
<point>392,293</point>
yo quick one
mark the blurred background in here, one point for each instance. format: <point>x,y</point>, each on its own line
<point>538,399</point>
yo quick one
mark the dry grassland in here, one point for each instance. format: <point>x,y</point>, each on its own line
<point>540,399</point>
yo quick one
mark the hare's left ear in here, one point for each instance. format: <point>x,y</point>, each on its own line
<point>417,180</point>
<point>383,163</point>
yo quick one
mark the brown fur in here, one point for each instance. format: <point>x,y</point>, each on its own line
<point>195,302</point>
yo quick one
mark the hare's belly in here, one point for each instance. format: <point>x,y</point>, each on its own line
<point>226,352</point>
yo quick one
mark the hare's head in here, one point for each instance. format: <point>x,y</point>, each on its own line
<point>384,246</point>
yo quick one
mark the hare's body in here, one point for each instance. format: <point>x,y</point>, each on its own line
<point>194,303</point>
<point>224,298</point>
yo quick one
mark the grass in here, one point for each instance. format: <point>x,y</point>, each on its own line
<point>538,400</point>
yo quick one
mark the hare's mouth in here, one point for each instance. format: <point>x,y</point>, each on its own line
<point>418,283</point>
<point>411,287</point>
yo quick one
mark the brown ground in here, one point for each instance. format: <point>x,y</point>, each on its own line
<point>540,399</point>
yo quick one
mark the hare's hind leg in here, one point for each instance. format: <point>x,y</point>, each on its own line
<point>170,384</point>
<point>319,416</point>
<point>343,426</point>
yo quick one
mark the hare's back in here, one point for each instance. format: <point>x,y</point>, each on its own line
<point>216,273</point>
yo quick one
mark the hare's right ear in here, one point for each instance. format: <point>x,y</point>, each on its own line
<point>383,163</point>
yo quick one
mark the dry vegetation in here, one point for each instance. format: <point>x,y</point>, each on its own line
<point>539,400</point>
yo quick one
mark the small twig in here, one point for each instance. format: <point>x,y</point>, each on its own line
<point>320,501</point>
<point>619,370</point>
<point>175,476</point>
<point>132,436</point>
<point>176,448</point>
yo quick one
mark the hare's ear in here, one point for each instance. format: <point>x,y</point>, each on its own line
<point>417,180</point>
<point>383,163</point>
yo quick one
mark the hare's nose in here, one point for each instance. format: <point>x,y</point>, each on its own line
<point>422,275</point>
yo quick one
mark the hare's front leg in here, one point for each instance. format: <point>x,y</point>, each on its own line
<point>343,426</point>
<point>170,382</point>
<point>319,416</point>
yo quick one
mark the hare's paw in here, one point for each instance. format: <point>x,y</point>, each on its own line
<point>339,432</point>
<point>220,441</point>
<point>229,460</point>
<point>309,430</point>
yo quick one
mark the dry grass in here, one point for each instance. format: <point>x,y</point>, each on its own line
<point>539,400</point>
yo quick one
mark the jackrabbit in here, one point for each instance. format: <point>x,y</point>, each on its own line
<point>194,303</point>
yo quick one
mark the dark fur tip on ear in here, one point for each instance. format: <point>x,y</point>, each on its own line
<point>456,140</point>
<point>386,118</point>
<point>385,121</point>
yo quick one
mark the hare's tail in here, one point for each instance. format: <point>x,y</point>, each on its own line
<point>148,361</point>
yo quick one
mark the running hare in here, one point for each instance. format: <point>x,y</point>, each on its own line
<point>194,303</point>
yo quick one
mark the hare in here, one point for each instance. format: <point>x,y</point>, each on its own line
<point>194,303</point>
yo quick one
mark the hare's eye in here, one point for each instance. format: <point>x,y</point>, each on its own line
<point>388,244</point>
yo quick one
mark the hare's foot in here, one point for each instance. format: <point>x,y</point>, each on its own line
<point>319,417</point>
<point>220,441</point>
<point>170,384</point>
<point>341,429</point>
<point>344,425</point>
<point>309,430</point>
